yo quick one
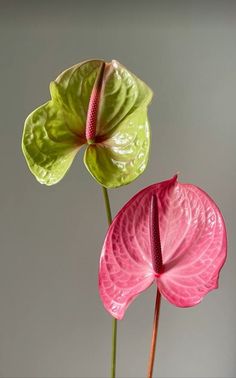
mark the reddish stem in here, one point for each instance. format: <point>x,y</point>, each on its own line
<point>154,335</point>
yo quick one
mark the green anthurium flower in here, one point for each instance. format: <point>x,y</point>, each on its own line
<point>101,105</point>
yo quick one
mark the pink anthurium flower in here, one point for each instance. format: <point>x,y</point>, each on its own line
<point>169,233</point>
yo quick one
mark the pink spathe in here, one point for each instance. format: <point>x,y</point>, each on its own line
<point>193,247</point>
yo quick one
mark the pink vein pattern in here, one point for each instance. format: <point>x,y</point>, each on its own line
<point>193,244</point>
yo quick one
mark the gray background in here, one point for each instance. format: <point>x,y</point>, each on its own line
<point>52,323</point>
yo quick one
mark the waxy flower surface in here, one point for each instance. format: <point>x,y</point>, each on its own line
<point>169,233</point>
<point>98,104</point>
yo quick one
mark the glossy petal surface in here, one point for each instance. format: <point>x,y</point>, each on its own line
<point>122,94</point>
<point>71,91</point>
<point>54,132</point>
<point>121,159</point>
<point>48,145</point>
<point>123,137</point>
<point>193,240</point>
<point>119,130</point>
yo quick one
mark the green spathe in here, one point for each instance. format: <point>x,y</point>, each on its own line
<point>54,133</point>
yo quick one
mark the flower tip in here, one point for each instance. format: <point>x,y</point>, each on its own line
<point>114,63</point>
<point>176,176</point>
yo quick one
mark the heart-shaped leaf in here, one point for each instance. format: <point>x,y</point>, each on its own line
<point>117,152</point>
<point>193,244</point>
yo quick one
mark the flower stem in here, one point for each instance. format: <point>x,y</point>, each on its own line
<point>114,321</point>
<point>154,335</point>
<point>107,204</point>
<point>114,343</point>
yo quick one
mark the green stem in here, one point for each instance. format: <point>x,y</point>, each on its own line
<point>114,343</point>
<point>114,321</point>
<point>107,204</point>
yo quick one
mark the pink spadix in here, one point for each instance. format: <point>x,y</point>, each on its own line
<point>91,120</point>
<point>155,241</point>
<point>178,242</point>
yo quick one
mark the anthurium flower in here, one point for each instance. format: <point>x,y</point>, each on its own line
<point>97,104</point>
<point>169,233</point>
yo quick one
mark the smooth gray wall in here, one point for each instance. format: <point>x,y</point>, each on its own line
<point>52,323</point>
